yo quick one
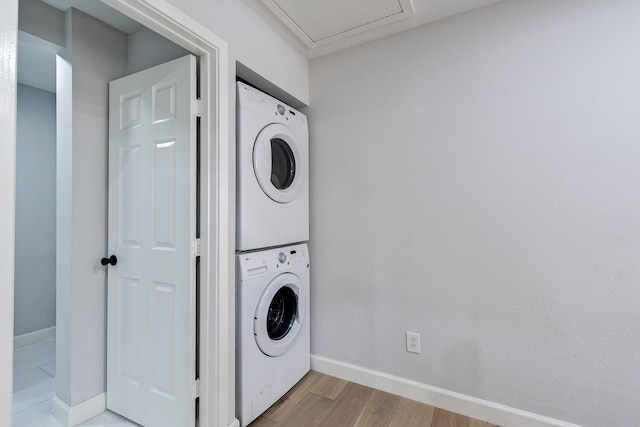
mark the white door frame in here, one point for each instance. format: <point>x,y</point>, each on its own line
<point>8,110</point>
<point>216,260</point>
<point>216,195</point>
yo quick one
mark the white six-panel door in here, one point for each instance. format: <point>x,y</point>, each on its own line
<point>152,230</point>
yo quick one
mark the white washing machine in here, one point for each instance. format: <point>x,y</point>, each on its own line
<point>272,172</point>
<point>272,339</point>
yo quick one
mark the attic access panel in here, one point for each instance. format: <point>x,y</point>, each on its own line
<point>318,22</point>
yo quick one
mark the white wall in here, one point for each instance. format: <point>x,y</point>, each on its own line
<point>146,49</point>
<point>42,22</point>
<point>40,38</point>
<point>95,54</point>
<point>35,227</point>
<point>476,180</point>
<point>255,43</point>
<point>8,82</point>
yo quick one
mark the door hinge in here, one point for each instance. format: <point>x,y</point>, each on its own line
<point>196,247</point>
<point>198,107</point>
<point>195,389</point>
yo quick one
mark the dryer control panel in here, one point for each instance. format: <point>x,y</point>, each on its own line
<point>249,97</point>
<point>271,261</point>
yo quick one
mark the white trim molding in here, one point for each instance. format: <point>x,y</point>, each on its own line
<point>34,337</point>
<point>451,401</point>
<point>313,38</point>
<point>8,112</point>
<point>71,416</point>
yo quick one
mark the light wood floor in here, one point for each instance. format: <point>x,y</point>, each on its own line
<point>320,400</point>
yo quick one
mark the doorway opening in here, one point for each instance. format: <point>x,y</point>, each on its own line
<point>215,341</point>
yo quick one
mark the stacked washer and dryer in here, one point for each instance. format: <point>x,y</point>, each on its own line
<point>272,259</point>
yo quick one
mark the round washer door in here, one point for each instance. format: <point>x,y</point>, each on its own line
<point>279,315</point>
<point>278,163</point>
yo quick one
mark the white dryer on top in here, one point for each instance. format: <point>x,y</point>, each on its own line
<point>272,172</point>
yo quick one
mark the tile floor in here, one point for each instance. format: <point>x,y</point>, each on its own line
<point>34,368</point>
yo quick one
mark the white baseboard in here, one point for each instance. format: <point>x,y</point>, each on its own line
<point>71,416</point>
<point>235,423</point>
<point>494,413</point>
<point>34,337</point>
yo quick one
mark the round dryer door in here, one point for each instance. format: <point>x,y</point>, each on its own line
<point>279,315</point>
<point>278,163</point>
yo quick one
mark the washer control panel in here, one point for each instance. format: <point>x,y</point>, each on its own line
<point>271,261</point>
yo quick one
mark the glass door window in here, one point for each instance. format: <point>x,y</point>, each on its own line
<point>283,164</point>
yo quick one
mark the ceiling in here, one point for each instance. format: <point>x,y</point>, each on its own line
<point>317,27</point>
<point>99,10</point>
<point>326,26</point>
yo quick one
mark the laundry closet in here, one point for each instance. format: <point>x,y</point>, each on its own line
<point>273,339</point>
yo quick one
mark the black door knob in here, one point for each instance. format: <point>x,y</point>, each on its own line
<point>111,260</point>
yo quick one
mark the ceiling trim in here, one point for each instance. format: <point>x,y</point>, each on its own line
<point>407,7</point>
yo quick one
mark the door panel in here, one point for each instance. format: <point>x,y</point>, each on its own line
<point>129,166</point>
<point>164,203</point>
<point>152,202</point>
<point>128,368</point>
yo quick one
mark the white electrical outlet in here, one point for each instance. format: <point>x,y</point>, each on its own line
<point>413,342</point>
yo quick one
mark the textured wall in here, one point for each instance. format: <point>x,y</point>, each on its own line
<point>35,263</point>
<point>476,180</point>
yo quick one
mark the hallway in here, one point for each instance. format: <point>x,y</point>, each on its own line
<point>34,370</point>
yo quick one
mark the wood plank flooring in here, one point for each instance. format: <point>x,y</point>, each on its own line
<point>320,400</point>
